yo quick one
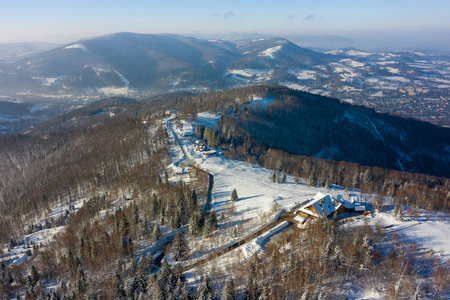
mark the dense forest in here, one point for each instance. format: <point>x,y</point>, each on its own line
<point>107,163</point>
<point>269,137</point>
<point>305,124</point>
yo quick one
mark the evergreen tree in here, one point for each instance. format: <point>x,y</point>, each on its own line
<point>251,291</point>
<point>124,225</point>
<point>400,214</point>
<point>204,291</point>
<point>193,202</point>
<point>212,221</point>
<point>234,195</point>
<point>34,276</point>
<point>155,203</point>
<point>181,291</point>
<point>81,282</point>
<point>61,288</point>
<point>136,219</point>
<point>164,276</point>
<point>154,289</point>
<point>166,177</point>
<point>395,211</point>
<point>356,181</point>
<point>337,257</point>
<point>139,285</point>
<point>119,286</point>
<point>176,221</point>
<point>196,222</point>
<point>273,177</point>
<point>179,247</point>
<point>156,234</point>
<point>312,179</point>
<point>228,292</point>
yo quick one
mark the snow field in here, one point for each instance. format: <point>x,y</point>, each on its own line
<point>253,74</point>
<point>261,101</point>
<point>303,74</point>
<point>430,229</point>
<point>76,46</point>
<point>208,119</point>
<point>270,52</point>
<point>257,245</point>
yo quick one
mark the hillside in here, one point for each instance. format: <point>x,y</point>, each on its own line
<point>305,124</point>
<point>412,84</point>
<point>114,200</point>
<point>128,63</point>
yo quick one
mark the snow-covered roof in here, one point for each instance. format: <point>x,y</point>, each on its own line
<point>209,152</point>
<point>321,203</point>
<point>177,170</point>
<point>360,208</point>
<point>187,129</point>
<point>347,204</point>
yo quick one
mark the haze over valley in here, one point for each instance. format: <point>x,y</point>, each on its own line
<point>412,84</point>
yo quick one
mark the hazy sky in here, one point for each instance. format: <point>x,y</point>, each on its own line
<point>64,21</point>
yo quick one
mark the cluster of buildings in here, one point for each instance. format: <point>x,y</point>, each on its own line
<point>187,129</point>
<point>326,205</point>
<point>414,91</point>
<point>203,148</point>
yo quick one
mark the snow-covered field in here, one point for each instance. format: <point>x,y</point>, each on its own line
<point>302,74</point>
<point>254,74</point>
<point>76,46</point>
<point>257,194</point>
<point>261,101</point>
<point>270,52</point>
<point>208,119</point>
<point>431,230</point>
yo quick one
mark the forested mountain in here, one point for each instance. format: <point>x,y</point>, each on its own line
<point>127,63</point>
<point>12,52</point>
<point>97,181</point>
<point>305,124</point>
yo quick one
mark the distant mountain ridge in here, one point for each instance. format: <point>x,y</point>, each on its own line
<point>129,63</point>
<point>12,52</point>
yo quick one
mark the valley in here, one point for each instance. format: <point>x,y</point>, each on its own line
<point>237,234</point>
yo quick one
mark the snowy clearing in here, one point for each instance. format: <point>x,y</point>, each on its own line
<point>270,52</point>
<point>353,63</point>
<point>397,78</point>
<point>295,86</point>
<point>392,70</point>
<point>302,74</point>
<point>76,46</point>
<point>359,53</point>
<point>255,74</point>
<point>208,119</point>
<point>432,230</point>
<point>261,101</point>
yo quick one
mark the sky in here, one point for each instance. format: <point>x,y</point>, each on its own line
<point>64,21</point>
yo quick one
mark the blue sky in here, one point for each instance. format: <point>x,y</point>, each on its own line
<point>64,21</point>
